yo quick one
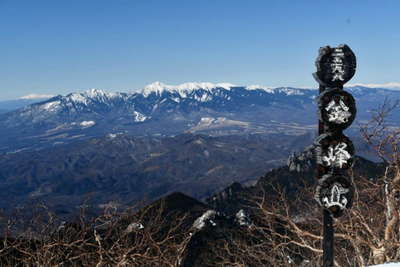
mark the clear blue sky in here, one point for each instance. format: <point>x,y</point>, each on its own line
<point>52,47</point>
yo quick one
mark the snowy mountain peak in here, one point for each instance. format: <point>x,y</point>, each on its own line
<point>186,96</point>
<point>256,86</point>
<point>157,87</point>
<point>184,88</point>
<point>95,92</point>
<point>390,85</point>
<point>290,91</point>
<point>100,94</point>
<point>91,94</point>
<point>271,90</point>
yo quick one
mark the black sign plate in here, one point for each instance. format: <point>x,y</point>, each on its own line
<point>335,193</point>
<point>335,66</point>
<point>337,109</point>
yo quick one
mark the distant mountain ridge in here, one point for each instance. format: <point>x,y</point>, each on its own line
<point>129,169</point>
<point>129,145</point>
<point>10,105</point>
<point>214,109</point>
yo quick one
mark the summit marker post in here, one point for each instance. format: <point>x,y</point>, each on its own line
<point>334,151</point>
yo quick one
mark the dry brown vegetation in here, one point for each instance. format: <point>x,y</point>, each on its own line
<point>285,232</point>
<point>111,239</point>
<point>283,235</point>
<point>288,230</point>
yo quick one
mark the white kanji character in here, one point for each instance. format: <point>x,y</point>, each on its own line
<point>336,197</point>
<point>338,77</point>
<point>337,60</point>
<point>337,68</point>
<point>337,155</point>
<point>338,113</point>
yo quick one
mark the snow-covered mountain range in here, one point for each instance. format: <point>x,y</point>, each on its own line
<point>160,109</point>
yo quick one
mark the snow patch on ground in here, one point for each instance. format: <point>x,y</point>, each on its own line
<point>51,106</point>
<point>133,227</point>
<point>291,91</point>
<point>204,97</point>
<point>389,264</point>
<point>176,99</point>
<point>207,121</point>
<point>220,122</point>
<point>242,218</point>
<point>139,117</point>
<point>87,124</point>
<point>112,136</point>
<point>207,216</point>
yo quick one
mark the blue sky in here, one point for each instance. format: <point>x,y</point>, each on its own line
<point>52,47</point>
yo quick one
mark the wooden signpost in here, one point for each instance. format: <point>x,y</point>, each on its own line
<point>334,151</point>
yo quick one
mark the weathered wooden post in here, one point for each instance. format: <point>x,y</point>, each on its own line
<point>334,151</point>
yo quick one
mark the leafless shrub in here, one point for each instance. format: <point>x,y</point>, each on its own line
<point>288,230</point>
<point>111,239</point>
